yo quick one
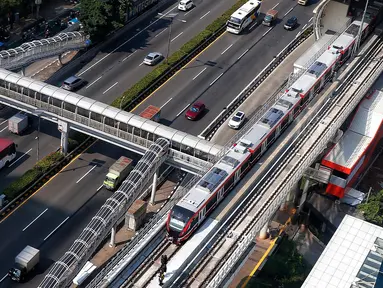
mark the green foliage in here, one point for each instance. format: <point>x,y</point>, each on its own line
<point>8,5</point>
<point>142,85</point>
<point>373,209</point>
<point>32,175</point>
<point>286,268</point>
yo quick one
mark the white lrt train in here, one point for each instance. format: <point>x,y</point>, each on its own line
<point>193,208</point>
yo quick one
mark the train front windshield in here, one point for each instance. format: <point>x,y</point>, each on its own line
<point>179,217</point>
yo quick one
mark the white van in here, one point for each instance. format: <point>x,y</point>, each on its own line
<point>185,5</point>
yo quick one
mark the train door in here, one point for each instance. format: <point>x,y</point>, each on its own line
<point>221,193</point>
<point>278,131</point>
<point>237,176</point>
<point>201,214</point>
<point>264,146</point>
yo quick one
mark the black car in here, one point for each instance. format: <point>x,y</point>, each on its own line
<point>291,23</point>
<point>4,35</point>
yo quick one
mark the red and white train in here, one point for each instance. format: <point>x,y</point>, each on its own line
<point>193,208</point>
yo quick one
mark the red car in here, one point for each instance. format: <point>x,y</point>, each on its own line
<point>195,111</point>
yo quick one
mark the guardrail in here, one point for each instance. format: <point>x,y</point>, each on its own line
<point>210,130</point>
<point>40,182</point>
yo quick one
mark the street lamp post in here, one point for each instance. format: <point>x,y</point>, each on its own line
<point>38,112</point>
<point>360,32</point>
<point>171,16</point>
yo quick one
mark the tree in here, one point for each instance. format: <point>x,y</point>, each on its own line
<point>7,6</point>
<point>373,209</point>
<point>100,17</point>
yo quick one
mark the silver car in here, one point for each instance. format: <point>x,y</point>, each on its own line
<point>153,58</point>
<point>72,83</point>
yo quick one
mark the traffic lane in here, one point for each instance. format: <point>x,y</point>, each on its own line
<point>26,156</point>
<point>62,196</point>
<point>187,85</point>
<point>113,82</point>
<point>227,87</point>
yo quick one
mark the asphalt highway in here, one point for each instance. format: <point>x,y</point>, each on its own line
<point>112,73</point>
<point>219,74</point>
<point>26,145</point>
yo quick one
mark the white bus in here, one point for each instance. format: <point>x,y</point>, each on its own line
<point>7,152</point>
<point>243,17</point>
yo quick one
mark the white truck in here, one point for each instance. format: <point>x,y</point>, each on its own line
<point>25,262</point>
<point>118,172</point>
<point>18,123</point>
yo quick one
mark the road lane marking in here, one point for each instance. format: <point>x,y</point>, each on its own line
<point>20,157</point>
<point>288,11</point>
<point>54,230</point>
<point>275,6</point>
<point>26,227</point>
<point>99,188</point>
<point>310,19</point>
<point>175,74</point>
<point>304,27</point>
<point>203,16</point>
<point>223,52</point>
<point>86,174</point>
<point>268,30</point>
<point>110,87</point>
<point>93,82</point>
<point>5,121</point>
<point>252,26</point>
<point>46,183</point>
<point>166,103</point>
<point>187,13</point>
<point>176,36</point>
<point>4,128</point>
<point>216,79</point>
<point>114,50</point>
<point>243,54</point>
<point>2,279</point>
<point>182,111</point>
<point>160,33</point>
<point>199,73</point>
<point>142,63</point>
<point>130,55</point>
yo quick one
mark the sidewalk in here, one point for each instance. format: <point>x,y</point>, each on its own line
<point>264,91</point>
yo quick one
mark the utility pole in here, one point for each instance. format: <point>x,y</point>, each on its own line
<point>360,32</point>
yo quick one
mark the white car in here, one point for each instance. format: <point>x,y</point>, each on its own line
<point>185,5</point>
<point>237,120</point>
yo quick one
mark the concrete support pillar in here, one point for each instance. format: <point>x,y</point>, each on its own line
<point>304,194</point>
<point>64,129</point>
<point>263,233</point>
<point>113,237</point>
<point>22,71</point>
<point>59,58</point>
<point>289,199</point>
<point>154,189</point>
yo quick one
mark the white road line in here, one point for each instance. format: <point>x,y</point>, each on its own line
<point>215,80</point>
<point>275,6</point>
<point>243,54</point>
<point>130,55</point>
<point>187,13</point>
<point>304,27</point>
<point>199,73</point>
<point>205,15</point>
<point>227,49</point>
<point>99,188</point>
<point>252,26</point>
<point>311,19</point>
<point>26,227</point>
<point>176,36</point>
<point>110,87</point>
<point>2,279</point>
<point>54,230</point>
<point>134,36</point>
<point>268,30</point>
<point>142,63</point>
<point>86,174</point>
<point>93,82</point>
<point>4,128</point>
<point>166,103</point>
<point>160,32</point>
<point>288,11</point>
<point>20,157</point>
<point>183,110</point>
<point>5,121</point>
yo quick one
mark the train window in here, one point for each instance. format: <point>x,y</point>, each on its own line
<point>296,110</point>
<point>187,149</point>
<point>13,87</point>
<point>109,121</point>
<point>69,107</point>
<point>194,222</point>
<point>200,154</point>
<point>123,126</point>
<point>244,166</point>
<point>211,202</point>
<point>130,129</point>
<point>270,139</point>
<point>144,134</point>
<point>95,116</point>
<point>316,87</point>
<point>256,154</point>
<point>284,122</point>
<point>151,137</point>
<point>181,214</point>
<point>44,98</point>
<point>328,74</point>
<point>228,183</point>
<point>56,102</point>
<point>176,145</point>
<point>2,83</point>
<point>304,100</point>
<point>83,112</point>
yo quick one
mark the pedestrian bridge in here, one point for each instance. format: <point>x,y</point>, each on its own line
<point>30,52</point>
<point>105,122</point>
